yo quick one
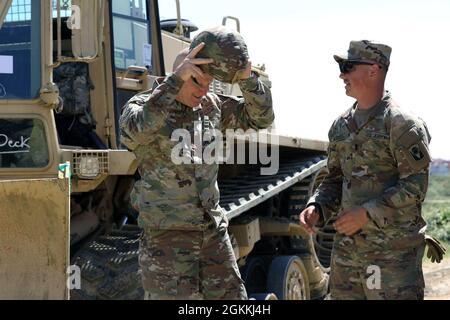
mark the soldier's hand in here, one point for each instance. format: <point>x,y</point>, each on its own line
<point>436,250</point>
<point>309,218</point>
<point>246,73</point>
<point>189,67</point>
<point>351,221</point>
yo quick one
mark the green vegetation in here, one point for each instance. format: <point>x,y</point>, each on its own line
<point>437,216</point>
<point>439,188</point>
<point>436,209</point>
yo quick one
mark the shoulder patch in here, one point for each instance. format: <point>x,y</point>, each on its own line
<point>414,146</point>
<point>416,153</point>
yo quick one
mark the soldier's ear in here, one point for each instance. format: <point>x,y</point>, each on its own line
<point>374,70</point>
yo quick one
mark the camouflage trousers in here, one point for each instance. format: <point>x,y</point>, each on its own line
<point>364,274</point>
<point>190,265</point>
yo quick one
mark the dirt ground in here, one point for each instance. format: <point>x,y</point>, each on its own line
<point>437,280</point>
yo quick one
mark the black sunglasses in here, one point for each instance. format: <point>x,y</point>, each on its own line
<point>195,81</point>
<point>348,66</point>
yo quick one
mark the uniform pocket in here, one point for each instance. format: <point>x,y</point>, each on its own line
<point>376,144</point>
<point>169,265</point>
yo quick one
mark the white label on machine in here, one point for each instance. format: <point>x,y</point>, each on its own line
<point>147,55</point>
<point>6,64</point>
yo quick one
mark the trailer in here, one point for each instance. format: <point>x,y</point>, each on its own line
<point>68,229</point>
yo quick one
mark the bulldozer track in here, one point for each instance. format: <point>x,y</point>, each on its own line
<point>109,264</point>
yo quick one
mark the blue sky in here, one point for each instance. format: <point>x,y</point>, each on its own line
<point>296,41</point>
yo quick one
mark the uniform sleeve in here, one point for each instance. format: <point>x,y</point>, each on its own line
<point>409,145</point>
<point>146,113</point>
<point>328,195</point>
<point>253,111</point>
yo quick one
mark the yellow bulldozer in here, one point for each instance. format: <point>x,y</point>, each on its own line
<point>67,229</point>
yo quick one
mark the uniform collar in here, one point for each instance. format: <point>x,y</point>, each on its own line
<point>374,112</point>
<point>377,108</point>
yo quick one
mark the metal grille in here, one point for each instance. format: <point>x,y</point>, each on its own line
<point>66,8</point>
<point>20,11</point>
<point>102,157</point>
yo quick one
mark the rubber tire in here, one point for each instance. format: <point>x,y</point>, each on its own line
<point>254,275</point>
<point>280,277</point>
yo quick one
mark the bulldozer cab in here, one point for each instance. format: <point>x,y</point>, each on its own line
<point>29,174</point>
<point>66,69</point>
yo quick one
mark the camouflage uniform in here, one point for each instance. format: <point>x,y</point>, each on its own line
<point>186,251</point>
<point>382,166</point>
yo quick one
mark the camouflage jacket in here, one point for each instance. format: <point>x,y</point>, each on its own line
<point>381,166</point>
<point>176,196</point>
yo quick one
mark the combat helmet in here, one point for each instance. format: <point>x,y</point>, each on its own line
<point>227,48</point>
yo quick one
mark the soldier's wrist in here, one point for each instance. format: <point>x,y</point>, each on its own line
<point>250,83</point>
<point>316,208</point>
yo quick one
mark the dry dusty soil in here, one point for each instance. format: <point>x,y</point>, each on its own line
<point>437,280</point>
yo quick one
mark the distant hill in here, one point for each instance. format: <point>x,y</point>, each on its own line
<point>440,167</point>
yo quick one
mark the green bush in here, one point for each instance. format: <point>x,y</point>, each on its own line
<point>437,216</point>
<point>439,188</point>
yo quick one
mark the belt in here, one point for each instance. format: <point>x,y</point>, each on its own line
<point>396,244</point>
<point>407,242</point>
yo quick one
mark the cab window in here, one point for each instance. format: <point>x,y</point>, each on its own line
<point>20,51</point>
<point>131,34</point>
<point>23,144</point>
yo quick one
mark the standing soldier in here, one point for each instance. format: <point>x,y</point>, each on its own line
<point>378,176</point>
<point>186,252</point>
